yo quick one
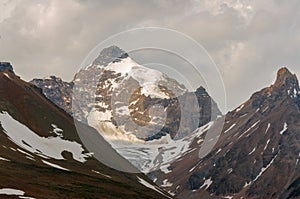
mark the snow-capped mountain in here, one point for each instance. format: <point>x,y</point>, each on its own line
<point>41,155</point>
<point>257,154</point>
<point>138,109</point>
<point>114,88</point>
<point>123,91</point>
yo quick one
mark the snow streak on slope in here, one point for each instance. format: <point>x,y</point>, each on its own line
<point>54,165</point>
<point>150,186</point>
<point>51,147</point>
<point>9,191</point>
<point>284,128</point>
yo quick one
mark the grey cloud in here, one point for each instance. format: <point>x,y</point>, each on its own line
<point>249,40</point>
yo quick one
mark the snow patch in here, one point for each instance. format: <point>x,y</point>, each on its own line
<point>243,115</point>
<point>293,93</point>
<point>240,108</point>
<point>230,128</point>
<point>297,161</point>
<point>10,191</point>
<point>264,169</point>
<point>284,128</point>
<point>57,131</point>
<point>54,165</point>
<point>266,146</point>
<point>30,158</point>
<point>219,151</point>
<point>249,129</point>
<point>166,183</point>
<point>101,174</point>
<point>252,151</point>
<point>45,147</point>
<point>150,186</point>
<point>25,153</point>
<point>25,197</point>
<point>12,149</point>
<point>4,159</point>
<point>247,184</point>
<point>7,75</point>
<point>165,169</point>
<point>265,109</point>
<point>207,183</point>
<point>268,127</point>
<point>192,169</point>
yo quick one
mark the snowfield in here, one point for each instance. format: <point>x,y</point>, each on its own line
<point>51,147</point>
<point>148,78</point>
<point>151,155</point>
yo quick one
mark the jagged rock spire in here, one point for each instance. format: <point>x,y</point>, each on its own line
<point>285,78</point>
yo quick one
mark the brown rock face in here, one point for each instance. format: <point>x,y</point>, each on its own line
<point>285,77</point>
<point>57,91</point>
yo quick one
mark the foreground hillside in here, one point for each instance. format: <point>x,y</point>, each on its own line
<point>41,155</point>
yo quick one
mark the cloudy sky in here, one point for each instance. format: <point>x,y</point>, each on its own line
<point>248,40</point>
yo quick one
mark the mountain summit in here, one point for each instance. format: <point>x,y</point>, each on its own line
<point>110,54</point>
<point>6,66</point>
<point>286,78</point>
<point>286,84</point>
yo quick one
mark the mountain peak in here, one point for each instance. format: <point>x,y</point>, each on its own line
<point>285,78</point>
<point>110,54</point>
<point>6,66</point>
<point>201,91</point>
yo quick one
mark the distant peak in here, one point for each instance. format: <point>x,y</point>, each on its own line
<point>113,50</point>
<point>286,84</point>
<point>110,54</point>
<point>6,66</point>
<point>285,78</point>
<point>201,91</point>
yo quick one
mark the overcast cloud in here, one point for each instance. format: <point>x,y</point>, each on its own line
<point>248,40</point>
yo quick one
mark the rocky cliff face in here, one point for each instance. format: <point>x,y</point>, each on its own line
<point>57,91</point>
